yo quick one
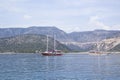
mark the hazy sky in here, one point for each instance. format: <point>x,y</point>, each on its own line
<point>68,15</point>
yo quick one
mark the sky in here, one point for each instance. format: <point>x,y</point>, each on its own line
<point>68,15</point>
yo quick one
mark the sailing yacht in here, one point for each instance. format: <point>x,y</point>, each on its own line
<point>54,52</point>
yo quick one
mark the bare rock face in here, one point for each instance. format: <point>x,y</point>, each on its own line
<point>110,44</point>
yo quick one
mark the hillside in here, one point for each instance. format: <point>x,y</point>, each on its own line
<point>116,48</point>
<point>86,36</point>
<point>44,30</point>
<point>76,41</point>
<point>112,44</point>
<point>28,43</point>
<point>115,45</point>
<point>93,36</point>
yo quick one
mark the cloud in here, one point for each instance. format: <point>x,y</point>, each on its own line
<point>96,24</point>
<point>115,27</point>
<point>71,15</point>
<point>71,29</point>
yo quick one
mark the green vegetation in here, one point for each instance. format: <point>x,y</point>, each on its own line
<point>28,44</point>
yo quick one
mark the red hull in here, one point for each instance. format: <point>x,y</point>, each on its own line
<point>51,54</point>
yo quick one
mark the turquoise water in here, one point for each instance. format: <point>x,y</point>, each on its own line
<point>66,67</point>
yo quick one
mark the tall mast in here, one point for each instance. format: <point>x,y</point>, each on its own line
<point>47,44</point>
<point>54,42</point>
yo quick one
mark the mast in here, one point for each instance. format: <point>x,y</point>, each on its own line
<point>54,42</point>
<point>47,44</point>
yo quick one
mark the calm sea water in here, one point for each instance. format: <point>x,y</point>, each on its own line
<point>66,67</point>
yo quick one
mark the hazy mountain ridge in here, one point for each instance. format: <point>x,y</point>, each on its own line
<point>28,43</point>
<point>86,36</point>
<point>92,36</point>
<point>77,41</point>
<point>48,30</point>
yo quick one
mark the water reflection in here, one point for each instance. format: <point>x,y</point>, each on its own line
<point>105,68</point>
<point>50,63</point>
<point>66,67</point>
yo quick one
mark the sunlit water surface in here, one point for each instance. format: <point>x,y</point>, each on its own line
<point>65,67</point>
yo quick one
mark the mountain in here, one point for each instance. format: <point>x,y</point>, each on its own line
<point>113,44</point>
<point>77,46</point>
<point>116,48</point>
<point>45,30</point>
<point>28,43</point>
<point>87,40</point>
<point>92,36</point>
<point>76,41</point>
<point>86,36</point>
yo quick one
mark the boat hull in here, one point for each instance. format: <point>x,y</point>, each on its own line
<point>51,54</point>
<point>97,53</point>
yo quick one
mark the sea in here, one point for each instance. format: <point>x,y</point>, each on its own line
<point>24,66</point>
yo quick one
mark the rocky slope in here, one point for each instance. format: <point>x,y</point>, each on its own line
<point>112,44</point>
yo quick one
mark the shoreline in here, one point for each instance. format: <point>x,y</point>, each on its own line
<point>62,53</point>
